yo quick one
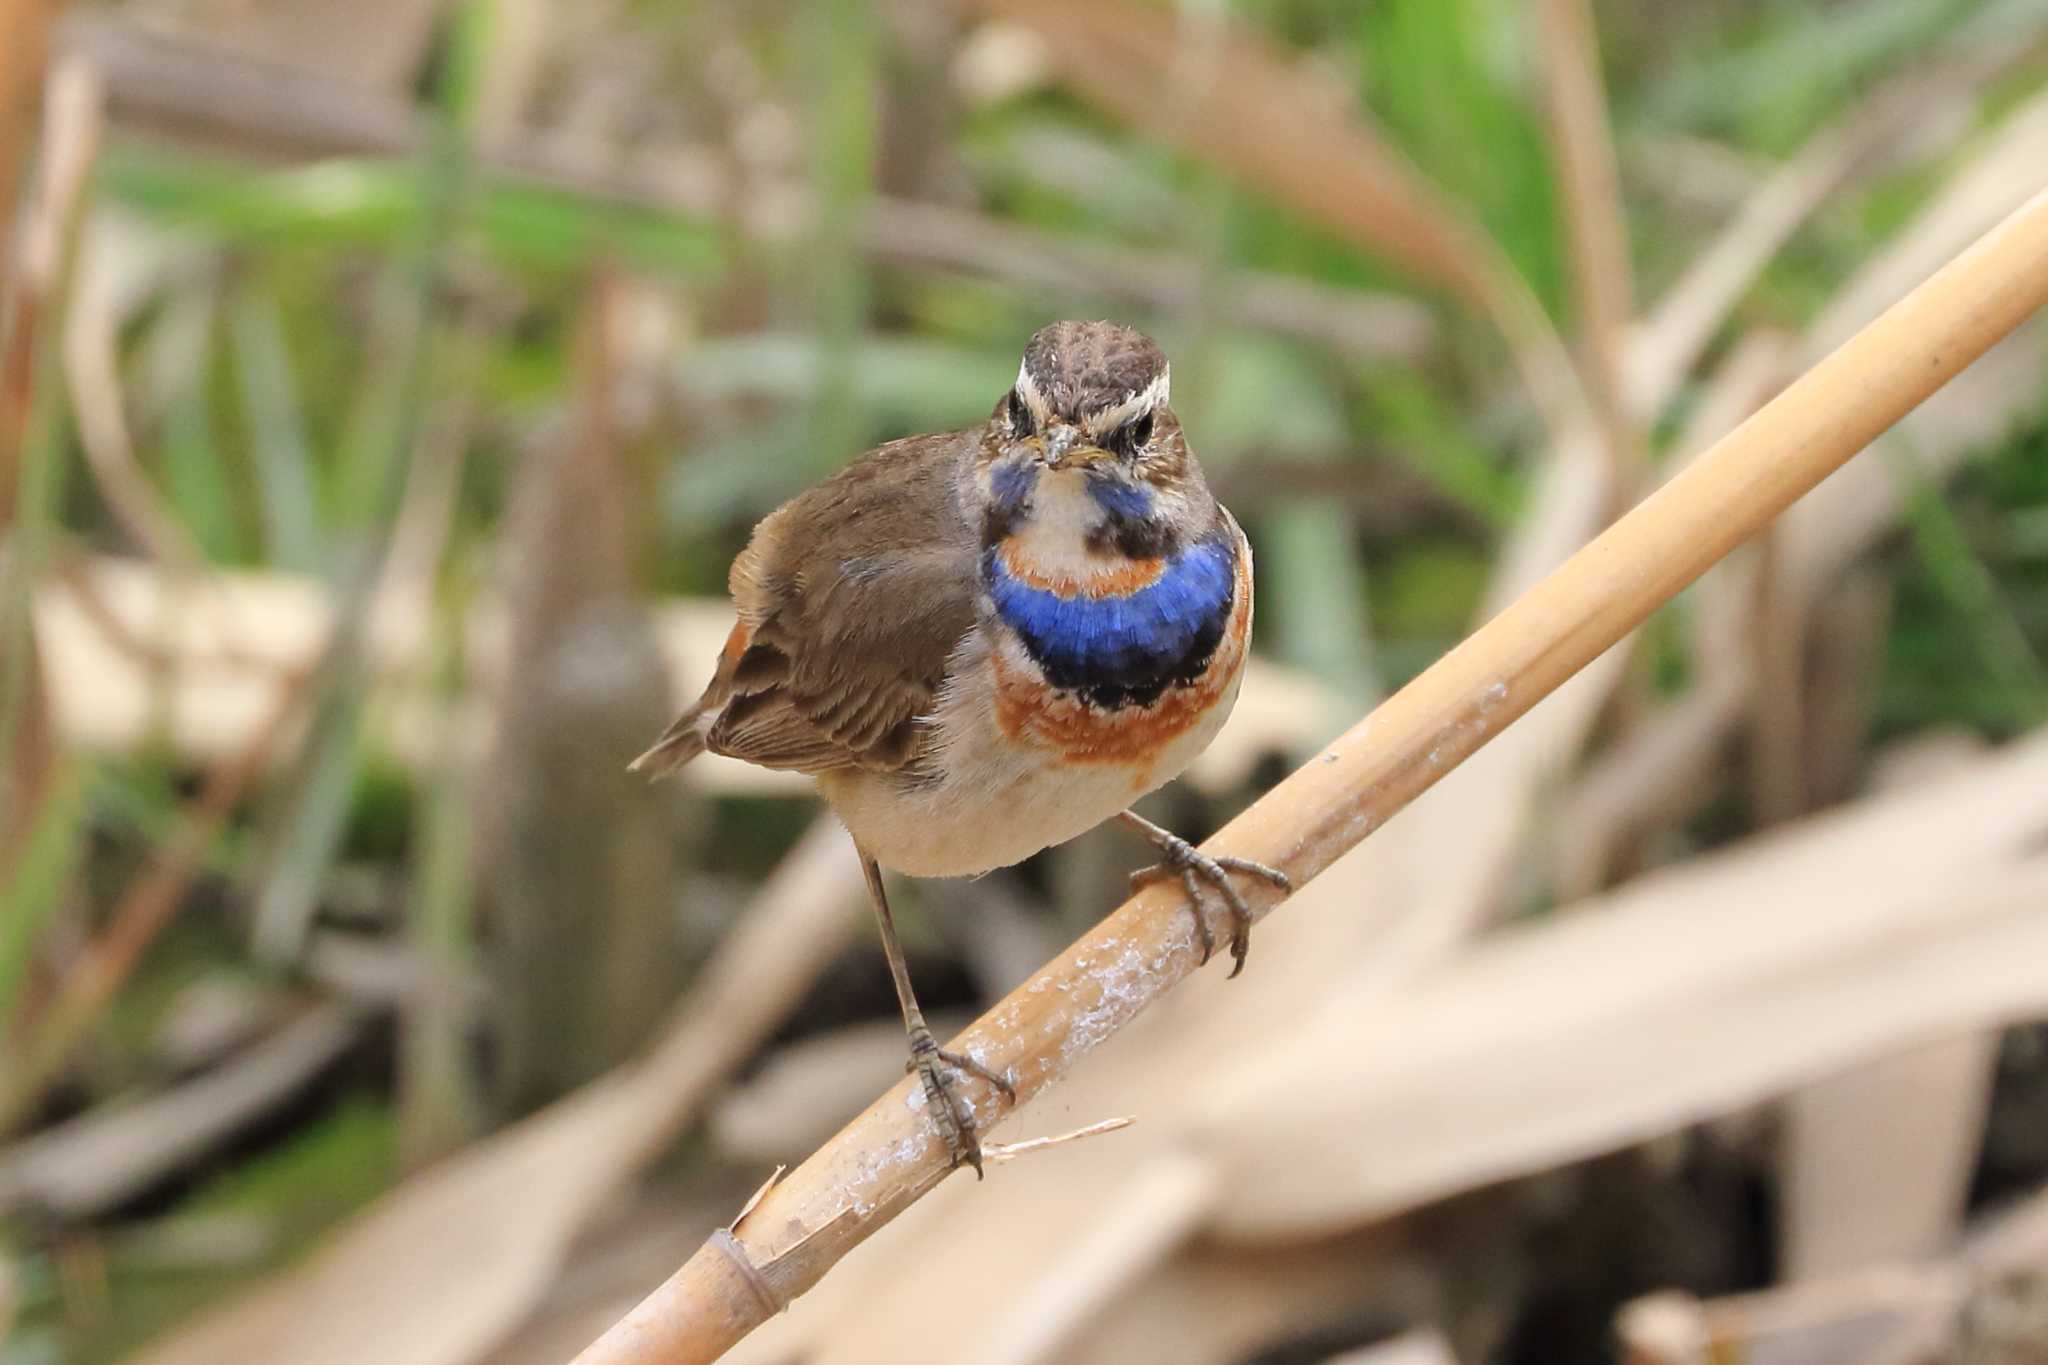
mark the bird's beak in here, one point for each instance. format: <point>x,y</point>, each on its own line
<point>1064,445</point>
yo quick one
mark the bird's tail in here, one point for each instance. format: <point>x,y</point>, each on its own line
<point>678,744</point>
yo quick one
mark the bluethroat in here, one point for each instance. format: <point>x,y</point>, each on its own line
<point>985,642</point>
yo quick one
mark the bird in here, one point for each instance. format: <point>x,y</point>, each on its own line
<point>982,643</point>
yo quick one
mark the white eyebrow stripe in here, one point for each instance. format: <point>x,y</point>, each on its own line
<point>1145,400</point>
<point>1027,389</point>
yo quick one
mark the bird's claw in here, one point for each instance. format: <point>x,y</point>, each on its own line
<point>1182,859</point>
<point>954,1119</point>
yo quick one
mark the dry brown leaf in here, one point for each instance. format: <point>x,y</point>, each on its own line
<point>1671,339</point>
<point>1711,985</point>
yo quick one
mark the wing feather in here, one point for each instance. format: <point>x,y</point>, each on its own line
<point>852,598</point>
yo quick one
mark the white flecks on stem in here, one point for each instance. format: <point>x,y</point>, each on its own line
<point>1125,985</point>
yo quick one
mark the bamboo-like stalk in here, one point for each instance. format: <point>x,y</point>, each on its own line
<point>889,1156</point>
<point>1596,229</point>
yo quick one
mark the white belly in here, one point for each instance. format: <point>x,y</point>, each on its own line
<point>1000,799</point>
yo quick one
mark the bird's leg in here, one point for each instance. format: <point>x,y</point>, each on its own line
<point>955,1120</point>
<point>1179,858</point>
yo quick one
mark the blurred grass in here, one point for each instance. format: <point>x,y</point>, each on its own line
<point>376,448</point>
<point>1969,589</point>
<point>350,202</point>
<point>271,405</point>
<point>1789,67</point>
<point>1451,79</point>
<point>841,58</point>
<point>1974,588</point>
<point>35,884</point>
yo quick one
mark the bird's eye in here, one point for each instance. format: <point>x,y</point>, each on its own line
<point>1130,438</point>
<point>1019,415</point>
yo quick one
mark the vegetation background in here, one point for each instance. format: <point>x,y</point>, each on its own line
<point>386,386</point>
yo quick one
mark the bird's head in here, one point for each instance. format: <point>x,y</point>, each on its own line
<point>1086,437</point>
<point>1086,393</point>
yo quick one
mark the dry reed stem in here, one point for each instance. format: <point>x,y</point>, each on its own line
<point>24,39</point>
<point>1595,226</point>
<point>888,1157</point>
<point>92,369</point>
<point>33,286</point>
<point>36,276</point>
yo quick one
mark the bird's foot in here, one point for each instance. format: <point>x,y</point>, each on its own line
<point>1181,859</point>
<point>954,1117</point>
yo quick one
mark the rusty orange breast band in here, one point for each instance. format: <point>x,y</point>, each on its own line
<point>1113,579</point>
<point>1029,710</point>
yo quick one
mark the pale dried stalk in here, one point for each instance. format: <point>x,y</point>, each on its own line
<point>1595,225</point>
<point>889,1156</point>
<point>92,370</point>
<point>34,282</point>
<point>24,38</point>
<point>1010,1151</point>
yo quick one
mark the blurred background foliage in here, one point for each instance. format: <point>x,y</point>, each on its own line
<point>428,304</point>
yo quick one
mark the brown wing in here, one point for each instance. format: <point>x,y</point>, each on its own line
<point>851,600</point>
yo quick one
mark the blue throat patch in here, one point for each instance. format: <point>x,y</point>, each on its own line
<point>1127,650</point>
<point>1124,501</point>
